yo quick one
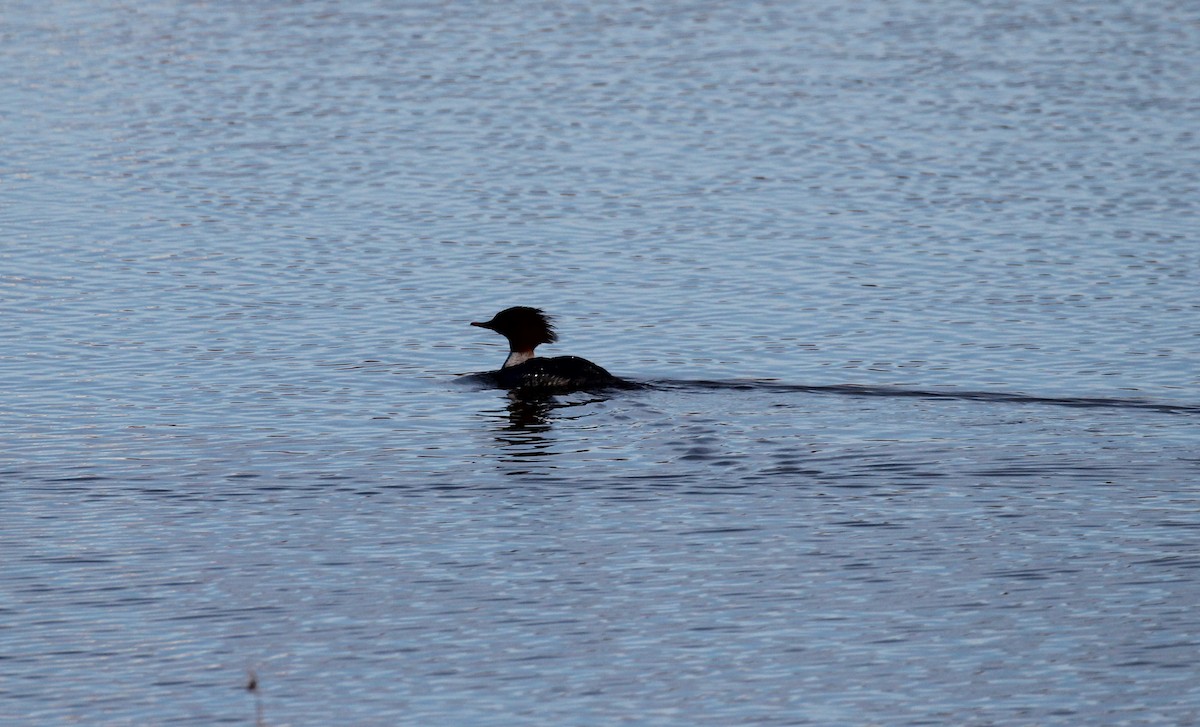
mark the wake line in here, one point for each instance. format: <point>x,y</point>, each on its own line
<point>895,392</point>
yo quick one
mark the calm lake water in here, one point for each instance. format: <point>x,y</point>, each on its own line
<point>913,286</point>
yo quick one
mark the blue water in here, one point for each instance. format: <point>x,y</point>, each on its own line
<point>912,287</point>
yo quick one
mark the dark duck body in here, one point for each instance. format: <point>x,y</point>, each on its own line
<point>526,329</point>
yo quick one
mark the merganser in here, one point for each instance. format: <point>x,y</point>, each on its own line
<point>526,328</point>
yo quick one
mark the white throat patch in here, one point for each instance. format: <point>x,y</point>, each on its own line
<point>517,357</point>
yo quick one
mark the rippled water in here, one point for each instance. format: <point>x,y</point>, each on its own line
<point>912,286</point>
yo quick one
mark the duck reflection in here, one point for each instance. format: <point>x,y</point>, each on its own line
<point>535,413</point>
<point>524,437</point>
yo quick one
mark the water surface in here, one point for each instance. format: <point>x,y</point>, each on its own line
<point>912,286</point>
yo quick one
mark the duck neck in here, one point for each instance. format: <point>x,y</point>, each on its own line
<point>517,357</point>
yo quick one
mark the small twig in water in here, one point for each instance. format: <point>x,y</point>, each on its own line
<point>252,687</point>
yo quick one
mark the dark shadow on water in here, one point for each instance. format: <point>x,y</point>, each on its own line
<point>533,408</point>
